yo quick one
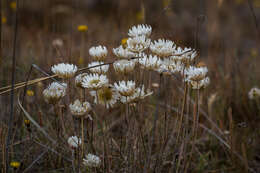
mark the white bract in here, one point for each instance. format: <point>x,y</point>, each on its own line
<point>100,69</point>
<point>79,109</point>
<point>74,141</point>
<point>140,30</point>
<point>98,53</point>
<point>94,81</point>
<point>54,92</point>
<point>138,44</point>
<point>124,66</point>
<point>162,47</point>
<point>64,71</point>
<point>91,160</point>
<point>125,88</point>
<point>120,52</point>
<point>254,93</point>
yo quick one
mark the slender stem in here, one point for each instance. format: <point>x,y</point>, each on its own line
<point>82,134</point>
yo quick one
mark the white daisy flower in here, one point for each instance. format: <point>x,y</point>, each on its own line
<point>79,78</point>
<point>92,161</point>
<point>185,55</point>
<point>140,30</point>
<point>163,48</point>
<point>124,66</point>
<point>54,92</point>
<point>200,84</point>
<point>150,62</point>
<point>102,69</point>
<point>64,71</point>
<point>120,52</point>
<point>138,94</point>
<point>98,53</point>
<point>125,88</point>
<point>79,109</point>
<point>138,44</point>
<point>254,93</point>
<point>107,96</point>
<point>74,141</point>
<point>195,73</point>
<point>94,81</point>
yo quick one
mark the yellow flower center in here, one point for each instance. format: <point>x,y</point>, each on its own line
<point>82,28</point>
<point>30,93</point>
<point>95,81</point>
<point>15,164</point>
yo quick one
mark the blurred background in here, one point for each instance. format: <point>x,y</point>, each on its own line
<point>224,32</point>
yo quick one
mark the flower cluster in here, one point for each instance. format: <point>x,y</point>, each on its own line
<point>91,160</point>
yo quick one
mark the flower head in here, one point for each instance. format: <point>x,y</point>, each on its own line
<point>64,71</point>
<point>98,53</point>
<point>92,160</point>
<point>74,141</point>
<point>79,78</point>
<point>3,20</point>
<point>124,66</point>
<point>120,52</point>
<point>57,42</point>
<point>196,73</point>
<point>138,44</point>
<point>163,48</point>
<point>94,81</point>
<point>15,164</point>
<point>82,28</point>
<point>106,96</point>
<point>54,92</point>
<point>150,62</point>
<point>101,69</point>
<point>254,93</point>
<point>79,109</point>
<point>185,55</point>
<point>139,94</point>
<point>125,88</point>
<point>200,84</point>
<point>30,93</point>
<point>140,30</point>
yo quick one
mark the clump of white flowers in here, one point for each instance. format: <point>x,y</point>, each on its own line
<point>54,92</point>
<point>74,141</point>
<point>91,160</point>
<point>254,93</point>
<point>64,71</point>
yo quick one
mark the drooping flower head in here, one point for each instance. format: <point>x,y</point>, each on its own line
<point>94,81</point>
<point>100,69</point>
<point>163,48</point>
<point>64,71</point>
<point>79,109</point>
<point>140,30</point>
<point>125,88</point>
<point>138,44</point>
<point>91,160</point>
<point>98,53</point>
<point>54,92</point>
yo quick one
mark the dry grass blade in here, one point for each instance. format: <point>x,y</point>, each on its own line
<point>34,122</point>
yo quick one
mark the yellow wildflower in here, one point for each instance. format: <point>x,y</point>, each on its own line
<point>15,164</point>
<point>13,5</point>
<point>27,122</point>
<point>30,92</point>
<point>4,20</point>
<point>81,60</point>
<point>124,42</point>
<point>82,28</point>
